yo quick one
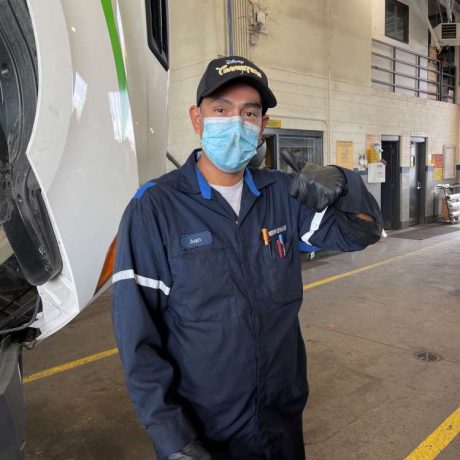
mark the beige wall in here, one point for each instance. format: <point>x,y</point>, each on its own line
<point>418,43</point>
<point>418,32</point>
<point>319,67</point>
<point>197,35</point>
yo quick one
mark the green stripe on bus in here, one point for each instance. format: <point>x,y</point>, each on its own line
<point>119,63</point>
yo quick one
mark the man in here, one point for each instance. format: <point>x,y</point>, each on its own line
<point>207,283</point>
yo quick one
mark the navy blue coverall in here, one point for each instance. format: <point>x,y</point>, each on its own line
<point>207,321</point>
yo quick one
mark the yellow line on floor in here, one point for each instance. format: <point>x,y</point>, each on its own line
<point>70,365</point>
<point>113,351</point>
<point>366,267</point>
<point>438,440</point>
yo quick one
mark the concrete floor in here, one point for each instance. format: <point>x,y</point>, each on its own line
<point>370,398</point>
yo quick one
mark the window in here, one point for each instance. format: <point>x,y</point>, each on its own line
<point>304,146</point>
<point>157,29</point>
<point>397,20</point>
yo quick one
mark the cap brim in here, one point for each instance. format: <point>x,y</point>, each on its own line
<point>268,98</point>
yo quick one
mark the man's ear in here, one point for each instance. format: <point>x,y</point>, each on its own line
<point>265,119</point>
<point>196,119</point>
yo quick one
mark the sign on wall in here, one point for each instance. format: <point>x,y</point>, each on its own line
<point>344,154</point>
<point>438,160</point>
<point>273,123</point>
<point>437,174</point>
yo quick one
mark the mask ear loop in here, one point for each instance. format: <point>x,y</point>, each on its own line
<point>262,145</point>
<point>259,157</point>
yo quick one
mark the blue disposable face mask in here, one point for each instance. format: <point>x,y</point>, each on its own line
<point>229,142</point>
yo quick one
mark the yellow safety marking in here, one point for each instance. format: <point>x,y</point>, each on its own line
<point>70,365</point>
<point>365,268</point>
<point>438,440</point>
<point>113,351</point>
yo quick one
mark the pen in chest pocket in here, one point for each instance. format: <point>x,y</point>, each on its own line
<point>283,247</point>
<point>266,240</point>
<point>279,246</point>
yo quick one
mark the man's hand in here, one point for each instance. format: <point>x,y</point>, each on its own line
<point>192,451</point>
<point>318,186</point>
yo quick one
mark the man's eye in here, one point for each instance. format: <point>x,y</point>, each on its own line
<point>250,115</point>
<point>219,110</point>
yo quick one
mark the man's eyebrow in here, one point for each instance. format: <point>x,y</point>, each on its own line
<point>253,104</point>
<point>223,100</point>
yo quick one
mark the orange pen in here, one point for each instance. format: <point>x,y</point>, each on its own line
<point>266,240</point>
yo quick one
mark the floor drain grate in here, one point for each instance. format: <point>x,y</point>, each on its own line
<point>427,356</point>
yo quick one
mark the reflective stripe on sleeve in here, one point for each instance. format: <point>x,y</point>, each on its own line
<point>315,223</point>
<point>141,280</point>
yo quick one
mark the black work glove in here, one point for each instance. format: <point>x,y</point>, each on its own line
<point>192,451</point>
<point>318,186</point>
<point>314,185</point>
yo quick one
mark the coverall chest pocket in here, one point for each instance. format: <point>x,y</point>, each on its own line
<point>278,280</point>
<point>203,288</point>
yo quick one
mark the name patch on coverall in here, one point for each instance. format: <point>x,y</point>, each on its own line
<point>195,240</point>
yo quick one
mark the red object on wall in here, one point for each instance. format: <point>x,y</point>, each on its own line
<point>438,160</point>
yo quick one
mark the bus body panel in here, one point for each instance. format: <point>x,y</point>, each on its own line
<point>89,150</point>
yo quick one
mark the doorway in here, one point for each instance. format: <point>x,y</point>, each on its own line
<point>417,181</point>
<point>391,187</point>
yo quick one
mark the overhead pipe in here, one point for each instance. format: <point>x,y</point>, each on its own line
<point>230,27</point>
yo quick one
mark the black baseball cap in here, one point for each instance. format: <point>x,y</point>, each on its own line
<point>222,71</point>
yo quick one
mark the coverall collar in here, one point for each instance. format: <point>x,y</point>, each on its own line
<point>191,180</point>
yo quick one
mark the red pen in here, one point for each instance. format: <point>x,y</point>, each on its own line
<point>281,239</point>
<point>280,248</point>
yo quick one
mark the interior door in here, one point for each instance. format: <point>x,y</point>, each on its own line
<point>390,188</point>
<point>421,179</point>
<point>416,183</point>
<point>414,187</point>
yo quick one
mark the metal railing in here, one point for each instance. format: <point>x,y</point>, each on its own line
<point>430,78</point>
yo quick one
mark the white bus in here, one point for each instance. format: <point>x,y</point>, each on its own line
<point>83,123</point>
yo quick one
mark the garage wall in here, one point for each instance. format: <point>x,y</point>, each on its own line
<point>197,35</point>
<point>418,32</point>
<point>319,66</point>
